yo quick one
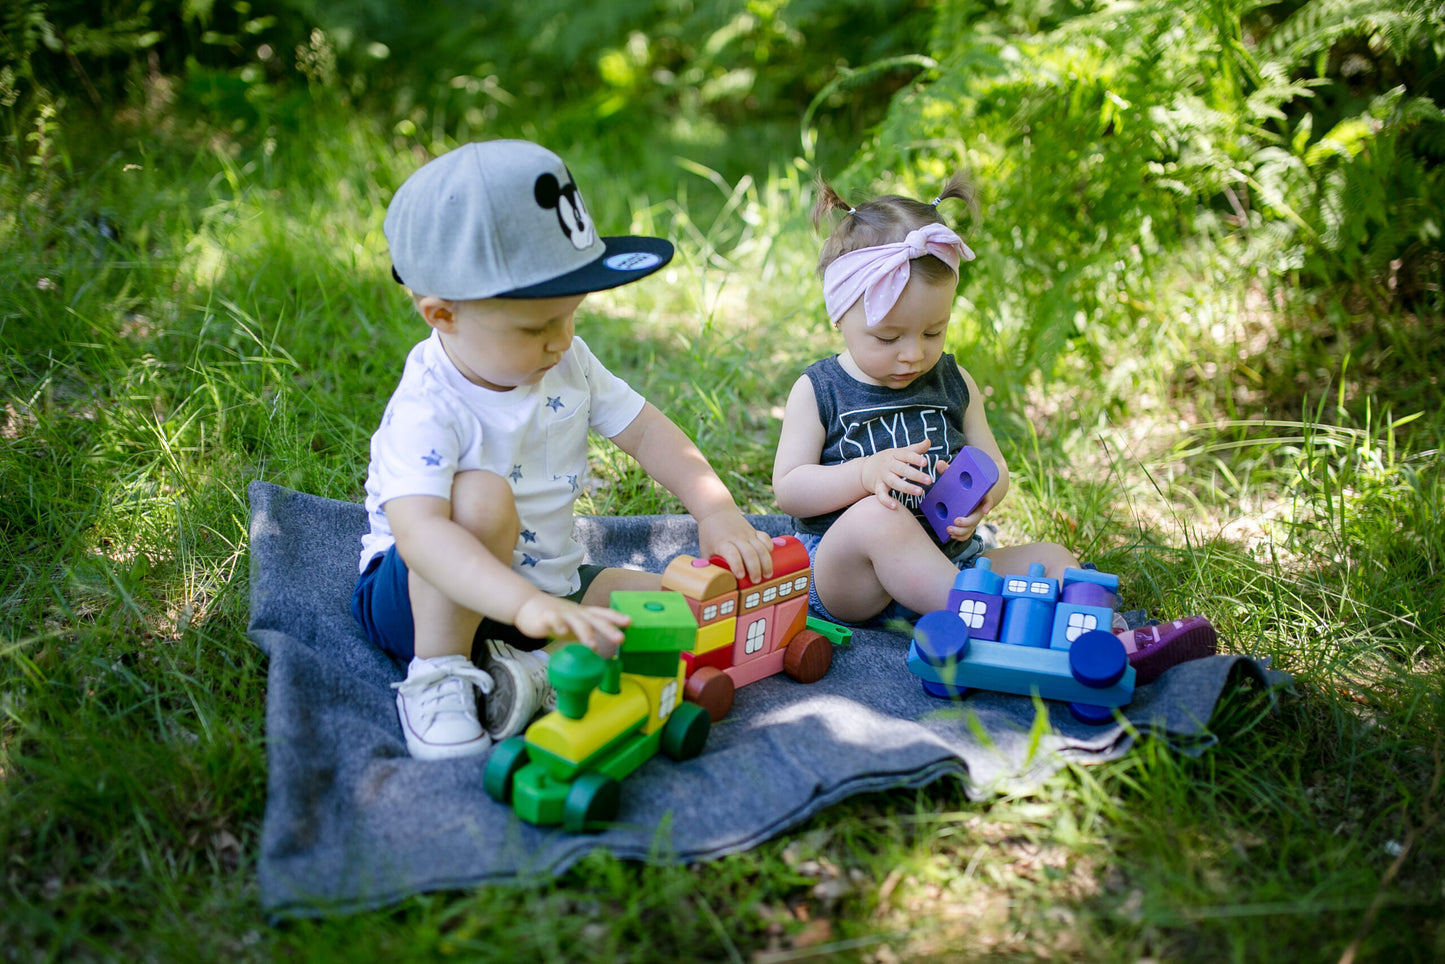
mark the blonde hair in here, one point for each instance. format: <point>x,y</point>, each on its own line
<point>887,220</point>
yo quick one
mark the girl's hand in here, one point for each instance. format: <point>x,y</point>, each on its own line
<point>549,617</point>
<point>963,527</point>
<point>896,470</point>
<point>728,534</point>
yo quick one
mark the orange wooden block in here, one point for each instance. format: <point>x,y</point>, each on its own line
<point>790,618</point>
<point>697,578</point>
<point>714,610</point>
<point>774,591</point>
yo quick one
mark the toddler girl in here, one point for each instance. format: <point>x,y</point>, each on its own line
<point>865,431</point>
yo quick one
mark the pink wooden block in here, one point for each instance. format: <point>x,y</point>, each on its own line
<point>769,664</point>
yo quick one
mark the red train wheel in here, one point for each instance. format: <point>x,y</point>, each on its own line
<point>808,656</point>
<point>711,689</point>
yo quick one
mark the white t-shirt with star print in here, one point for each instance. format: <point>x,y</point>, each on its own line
<point>438,424</point>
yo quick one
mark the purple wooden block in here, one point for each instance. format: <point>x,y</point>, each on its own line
<point>981,612</point>
<point>1090,587</point>
<point>958,491</point>
<point>976,599</point>
<point>1087,594</point>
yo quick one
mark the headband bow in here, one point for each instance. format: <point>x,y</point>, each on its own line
<point>878,274</point>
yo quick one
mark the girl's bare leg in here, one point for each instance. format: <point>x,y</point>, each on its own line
<point>873,555</point>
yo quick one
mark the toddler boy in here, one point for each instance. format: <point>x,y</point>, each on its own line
<point>482,450</point>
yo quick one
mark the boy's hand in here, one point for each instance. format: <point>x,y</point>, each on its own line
<point>543,617</point>
<point>728,534</point>
<point>896,470</point>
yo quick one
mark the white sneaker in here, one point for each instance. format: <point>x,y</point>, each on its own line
<point>438,707</point>
<point>520,689</point>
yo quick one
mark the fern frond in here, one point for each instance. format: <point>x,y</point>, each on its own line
<point>1394,28</point>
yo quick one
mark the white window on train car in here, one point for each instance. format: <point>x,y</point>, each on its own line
<point>972,612</point>
<point>667,700</point>
<point>757,636</point>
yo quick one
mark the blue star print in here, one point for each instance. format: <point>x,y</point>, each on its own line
<point>528,535</point>
<point>572,480</point>
<point>516,474</point>
<point>554,402</point>
<point>528,560</point>
<point>432,458</point>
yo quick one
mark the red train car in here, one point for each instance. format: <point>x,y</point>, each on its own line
<point>748,631</point>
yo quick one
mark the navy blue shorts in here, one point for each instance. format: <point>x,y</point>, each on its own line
<point>381,605</point>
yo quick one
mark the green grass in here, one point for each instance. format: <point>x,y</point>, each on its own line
<point>240,324</point>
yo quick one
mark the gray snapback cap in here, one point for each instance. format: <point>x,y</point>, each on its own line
<point>504,219</point>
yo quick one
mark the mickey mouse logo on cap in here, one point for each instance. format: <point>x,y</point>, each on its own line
<point>571,211</point>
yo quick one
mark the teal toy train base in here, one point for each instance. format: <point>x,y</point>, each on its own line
<point>612,716</point>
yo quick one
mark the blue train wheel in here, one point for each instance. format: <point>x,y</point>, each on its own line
<point>592,803</point>
<point>1098,660</point>
<point>685,731</point>
<point>1090,714</point>
<point>941,638</point>
<point>507,758</point>
<point>944,691</point>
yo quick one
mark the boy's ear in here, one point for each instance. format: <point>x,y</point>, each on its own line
<point>438,312</point>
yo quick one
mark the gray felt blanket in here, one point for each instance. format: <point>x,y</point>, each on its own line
<point>353,822</point>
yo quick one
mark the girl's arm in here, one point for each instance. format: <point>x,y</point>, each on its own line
<point>977,433</point>
<point>667,455</point>
<point>803,487</point>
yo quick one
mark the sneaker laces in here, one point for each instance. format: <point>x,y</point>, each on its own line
<point>435,687</point>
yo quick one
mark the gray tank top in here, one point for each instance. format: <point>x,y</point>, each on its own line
<point>860,420</point>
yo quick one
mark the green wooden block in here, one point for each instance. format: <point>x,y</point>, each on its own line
<point>661,621</point>
<point>644,663</point>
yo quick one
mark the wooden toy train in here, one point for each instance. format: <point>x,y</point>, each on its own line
<point>1023,634</point>
<point>1026,634</point>
<point>700,637</point>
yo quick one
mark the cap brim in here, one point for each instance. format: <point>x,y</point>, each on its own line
<point>624,260</point>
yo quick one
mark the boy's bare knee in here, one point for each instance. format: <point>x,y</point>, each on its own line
<point>1017,559</point>
<point>609,581</point>
<point>482,503</point>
